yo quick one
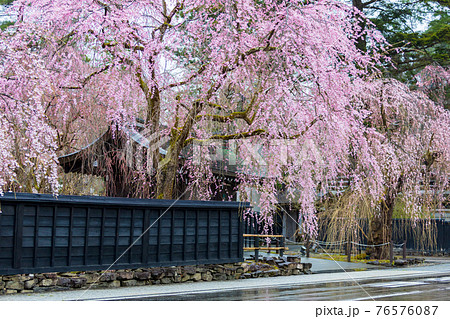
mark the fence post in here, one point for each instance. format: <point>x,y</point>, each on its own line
<point>391,252</point>
<point>307,247</point>
<point>281,245</point>
<point>404,250</point>
<point>257,248</point>
<point>349,251</point>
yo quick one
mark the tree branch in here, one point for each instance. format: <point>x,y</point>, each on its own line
<point>225,68</point>
<point>307,128</point>
<point>234,115</point>
<point>87,79</point>
<point>236,136</point>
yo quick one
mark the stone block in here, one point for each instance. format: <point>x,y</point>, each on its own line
<point>90,278</point>
<point>47,282</point>
<point>239,270</point>
<point>157,273</point>
<point>292,266</point>
<point>108,276</point>
<point>78,282</point>
<point>14,285</point>
<point>189,270</point>
<point>201,269</point>
<point>220,276</point>
<point>306,266</point>
<point>125,275</point>
<point>197,276</point>
<point>114,284</point>
<point>253,267</point>
<point>26,291</point>
<point>294,259</point>
<point>272,272</point>
<point>69,274</point>
<point>177,278</point>
<point>246,275</point>
<point>282,265</point>
<point>400,262</point>
<point>170,272</point>
<point>207,276</point>
<point>144,275</point>
<point>185,278</point>
<point>42,289</point>
<point>219,269</point>
<point>51,275</point>
<point>287,265</point>
<point>269,260</point>
<point>63,281</point>
<point>11,291</point>
<point>295,271</point>
<point>166,280</point>
<point>129,283</point>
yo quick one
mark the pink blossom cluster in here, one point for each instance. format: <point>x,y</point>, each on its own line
<point>250,71</point>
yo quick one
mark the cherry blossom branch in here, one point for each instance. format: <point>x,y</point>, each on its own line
<point>225,68</point>
<point>314,121</point>
<point>234,115</point>
<point>235,136</point>
<point>87,79</point>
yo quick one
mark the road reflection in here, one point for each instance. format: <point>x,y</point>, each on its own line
<point>417,289</point>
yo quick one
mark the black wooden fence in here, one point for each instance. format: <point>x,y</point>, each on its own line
<point>40,233</point>
<point>403,231</point>
<point>435,239</point>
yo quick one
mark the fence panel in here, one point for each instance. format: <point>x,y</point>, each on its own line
<point>403,230</point>
<point>41,233</point>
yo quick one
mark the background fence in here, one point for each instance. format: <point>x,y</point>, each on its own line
<point>412,236</point>
<point>402,231</point>
<point>422,237</point>
<point>40,233</point>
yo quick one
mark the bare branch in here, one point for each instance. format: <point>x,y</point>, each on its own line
<point>87,79</point>
<point>236,136</point>
<point>307,128</point>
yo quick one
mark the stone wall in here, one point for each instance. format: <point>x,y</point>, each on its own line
<point>268,267</point>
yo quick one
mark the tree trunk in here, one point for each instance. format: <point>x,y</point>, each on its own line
<point>168,167</point>
<point>166,175</point>
<point>380,226</point>
<point>361,44</point>
<point>152,122</point>
<point>380,231</point>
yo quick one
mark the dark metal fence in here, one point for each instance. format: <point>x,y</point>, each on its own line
<point>40,233</point>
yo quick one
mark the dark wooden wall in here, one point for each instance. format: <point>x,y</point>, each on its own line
<point>40,233</point>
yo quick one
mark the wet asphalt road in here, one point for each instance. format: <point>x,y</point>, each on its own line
<point>419,288</point>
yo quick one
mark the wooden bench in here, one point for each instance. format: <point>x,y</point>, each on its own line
<point>279,244</point>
